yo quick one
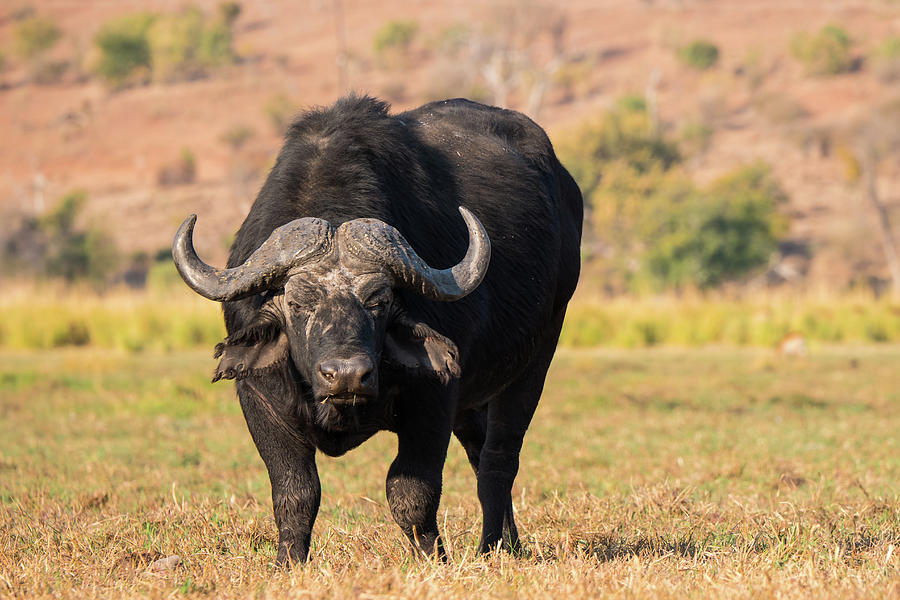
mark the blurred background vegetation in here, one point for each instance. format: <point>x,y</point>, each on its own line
<point>739,180</point>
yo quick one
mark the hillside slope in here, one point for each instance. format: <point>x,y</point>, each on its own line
<point>757,100</point>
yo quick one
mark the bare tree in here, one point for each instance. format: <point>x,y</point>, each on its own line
<point>520,49</point>
<point>341,60</point>
<point>877,137</point>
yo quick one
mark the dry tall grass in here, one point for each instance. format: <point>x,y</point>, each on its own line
<point>172,317</point>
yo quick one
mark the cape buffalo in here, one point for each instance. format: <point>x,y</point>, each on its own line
<point>357,300</point>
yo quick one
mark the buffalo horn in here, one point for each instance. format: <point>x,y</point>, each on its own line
<point>288,246</point>
<point>375,241</point>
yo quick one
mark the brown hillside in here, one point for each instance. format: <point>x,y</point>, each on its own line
<point>761,104</point>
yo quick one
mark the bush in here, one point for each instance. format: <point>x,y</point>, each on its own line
<point>173,41</point>
<point>699,54</point>
<point>280,110</point>
<point>167,47</point>
<point>180,172</point>
<point>824,53</point>
<point>395,35</point>
<point>55,246</point>
<point>34,36</point>
<point>886,60</point>
<point>77,254</point>
<point>237,135</point>
<point>624,134</point>
<point>229,12</point>
<point>187,45</point>
<point>696,136</point>
<point>724,233</point>
<point>124,49</point>
<point>648,225</point>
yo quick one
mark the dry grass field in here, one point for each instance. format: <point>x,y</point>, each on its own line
<point>720,472</point>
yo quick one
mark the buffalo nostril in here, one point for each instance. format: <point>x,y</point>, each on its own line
<point>361,369</point>
<point>329,370</point>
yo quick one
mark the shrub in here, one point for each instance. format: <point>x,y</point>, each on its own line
<point>187,45</point>
<point>124,49</point>
<point>824,53</point>
<point>229,12</point>
<point>395,35</point>
<point>280,110</point>
<point>172,40</point>
<point>74,253</point>
<point>214,48</point>
<point>649,226</point>
<point>623,134</point>
<point>35,35</point>
<point>696,136</point>
<point>237,135</point>
<point>720,234</point>
<point>75,333</point>
<point>699,54</point>
<point>180,172</point>
<point>166,47</point>
<point>886,60</point>
<point>55,246</point>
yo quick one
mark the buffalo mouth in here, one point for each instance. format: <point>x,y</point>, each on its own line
<point>347,399</point>
<point>348,412</point>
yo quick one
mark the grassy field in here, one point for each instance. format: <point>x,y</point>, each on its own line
<point>666,473</point>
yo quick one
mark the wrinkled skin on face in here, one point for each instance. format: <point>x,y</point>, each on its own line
<point>338,325</point>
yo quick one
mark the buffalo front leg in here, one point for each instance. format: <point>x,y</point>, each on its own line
<point>414,480</point>
<point>291,464</point>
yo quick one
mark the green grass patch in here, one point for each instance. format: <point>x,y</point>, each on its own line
<point>721,472</point>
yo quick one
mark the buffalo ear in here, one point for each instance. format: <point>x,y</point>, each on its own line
<point>257,348</point>
<point>239,362</point>
<point>421,350</point>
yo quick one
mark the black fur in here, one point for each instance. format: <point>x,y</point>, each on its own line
<point>412,170</point>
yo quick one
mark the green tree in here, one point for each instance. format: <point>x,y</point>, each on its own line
<point>647,225</point>
<point>719,234</point>
<point>74,253</point>
<point>623,134</point>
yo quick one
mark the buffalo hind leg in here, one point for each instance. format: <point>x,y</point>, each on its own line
<point>508,416</point>
<point>413,486</point>
<point>291,463</point>
<point>471,430</point>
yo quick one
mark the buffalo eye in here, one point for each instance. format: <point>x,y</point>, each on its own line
<point>378,301</point>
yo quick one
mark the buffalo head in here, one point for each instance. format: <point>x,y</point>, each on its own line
<point>329,303</point>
